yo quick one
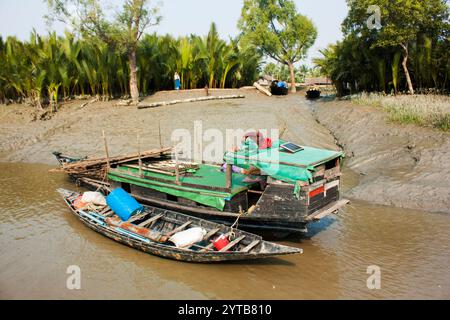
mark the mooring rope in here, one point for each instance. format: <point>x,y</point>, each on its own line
<point>241,212</point>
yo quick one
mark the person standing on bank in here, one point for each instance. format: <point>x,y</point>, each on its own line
<point>176,80</point>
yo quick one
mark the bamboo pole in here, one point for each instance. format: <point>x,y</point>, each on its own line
<point>177,170</point>
<point>95,163</point>
<point>229,176</point>
<point>106,150</point>
<point>139,155</point>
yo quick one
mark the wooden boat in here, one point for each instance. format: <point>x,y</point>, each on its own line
<point>263,202</point>
<point>313,93</point>
<point>277,90</point>
<point>158,225</point>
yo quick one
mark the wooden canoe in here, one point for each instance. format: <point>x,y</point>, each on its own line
<point>155,225</point>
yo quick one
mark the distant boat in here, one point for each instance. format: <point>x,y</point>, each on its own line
<point>313,93</point>
<point>151,230</point>
<point>279,88</point>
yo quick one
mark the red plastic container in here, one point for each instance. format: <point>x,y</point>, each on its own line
<point>221,242</point>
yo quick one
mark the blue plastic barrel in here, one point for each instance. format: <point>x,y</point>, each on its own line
<point>123,204</point>
<point>281,84</point>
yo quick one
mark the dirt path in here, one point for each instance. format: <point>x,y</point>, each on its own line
<point>400,165</point>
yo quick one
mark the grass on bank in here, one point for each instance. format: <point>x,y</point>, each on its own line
<point>422,110</point>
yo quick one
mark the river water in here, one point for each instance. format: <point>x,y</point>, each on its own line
<point>40,239</point>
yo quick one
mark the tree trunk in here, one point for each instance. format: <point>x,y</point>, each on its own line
<point>405,69</point>
<point>292,73</point>
<point>134,91</point>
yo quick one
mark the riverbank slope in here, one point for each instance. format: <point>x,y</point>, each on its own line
<point>401,165</point>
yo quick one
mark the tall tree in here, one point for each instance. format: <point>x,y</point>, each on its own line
<point>121,30</point>
<point>401,22</point>
<point>278,30</point>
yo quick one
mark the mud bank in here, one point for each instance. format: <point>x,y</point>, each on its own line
<point>403,166</point>
<point>78,131</point>
<point>399,165</point>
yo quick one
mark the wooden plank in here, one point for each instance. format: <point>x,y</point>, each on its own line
<point>137,217</point>
<point>208,247</point>
<point>108,214</point>
<point>262,89</point>
<point>211,245</point>
<point>232,244</point>
<point>199,246</point>
<point>152,219</point>
<point>211,233</point>
<point>253,244</point>
<point>104,210</point>
<point>255,191</point>
<point>327,210</point>
<point>184,225</point>
<point>146,168</point>
<point>207,98</point>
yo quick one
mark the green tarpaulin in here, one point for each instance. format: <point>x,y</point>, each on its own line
<point>206,176</point>
<point>281,165</point>
<point>284,166</point>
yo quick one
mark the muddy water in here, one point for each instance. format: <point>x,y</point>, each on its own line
<point>40,238</point>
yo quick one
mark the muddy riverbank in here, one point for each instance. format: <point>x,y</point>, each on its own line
<point>78,131</point>
<point>400,165</point>
<point>403,166</point>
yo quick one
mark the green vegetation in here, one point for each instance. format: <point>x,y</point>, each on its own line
<point>423,110</point>
<point>121,30</point>
<point>281,72</point>
<point>47,68</point>
<point>414,37</point>
<point>278,30</point>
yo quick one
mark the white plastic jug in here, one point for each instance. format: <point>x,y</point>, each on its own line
<point>188,237</point>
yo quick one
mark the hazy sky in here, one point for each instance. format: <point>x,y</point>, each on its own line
<point>182,17</point>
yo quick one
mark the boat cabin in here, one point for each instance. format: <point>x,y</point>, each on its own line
<point>284,181</point>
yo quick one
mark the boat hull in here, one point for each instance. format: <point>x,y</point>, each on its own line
<point>313,94</point>
<point>278,91</point>
<point>179,254</point>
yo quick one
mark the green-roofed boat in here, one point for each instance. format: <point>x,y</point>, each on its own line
<point>279,189</point>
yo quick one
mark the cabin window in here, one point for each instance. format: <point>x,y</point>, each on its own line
<point>331,164</point>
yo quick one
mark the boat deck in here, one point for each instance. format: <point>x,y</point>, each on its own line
<point>208,176</point>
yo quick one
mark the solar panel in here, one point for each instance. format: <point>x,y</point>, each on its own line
<point>291,147</point>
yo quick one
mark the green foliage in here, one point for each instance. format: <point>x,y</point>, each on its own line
<point>96,21</point>
<point>52,68</point>
<point>278,30</point>
<point>414,34</point>
<point>281,72</point>
<point>119,29</point>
